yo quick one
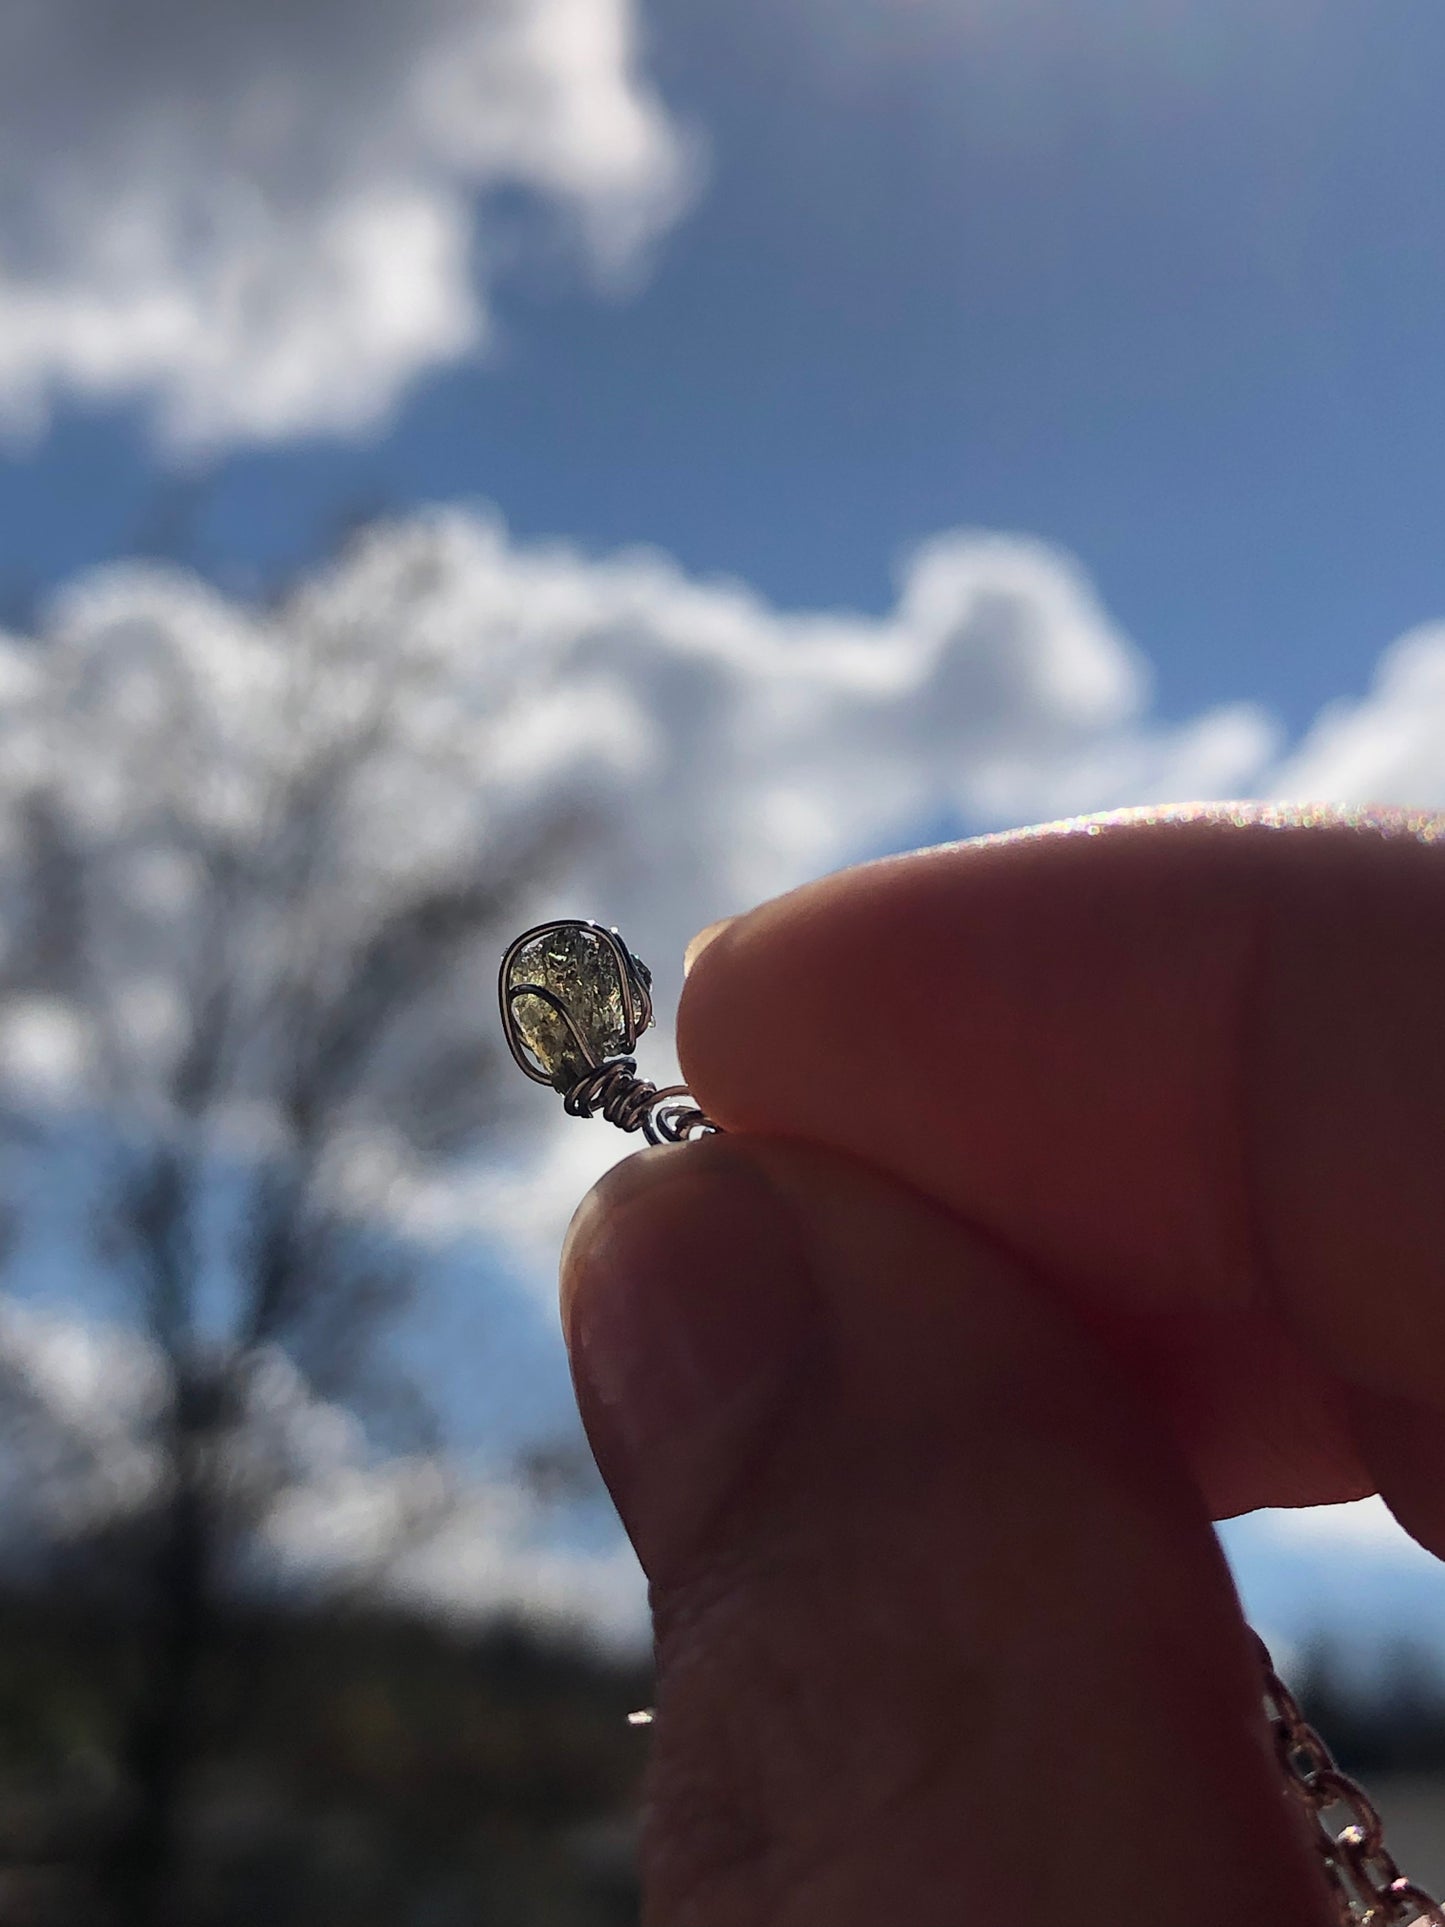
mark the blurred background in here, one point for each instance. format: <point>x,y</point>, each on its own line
<point>476,460</point>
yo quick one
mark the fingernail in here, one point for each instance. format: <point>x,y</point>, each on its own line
<point>690,1313</point>
<point>701,941</point>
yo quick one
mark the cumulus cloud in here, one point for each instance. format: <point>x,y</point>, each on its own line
<point>713,749</point>
<point>716,749</point>
<point>726,749</point>
<point>1388,747</point>
<point>710,748</point>
<point>268,219</point>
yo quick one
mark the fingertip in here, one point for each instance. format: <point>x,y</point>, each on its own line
<point>630,1178</point>
<point>689,1314</point>
<point>707,935</point>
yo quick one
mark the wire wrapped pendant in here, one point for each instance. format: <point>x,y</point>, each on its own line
<point>574,1002</point>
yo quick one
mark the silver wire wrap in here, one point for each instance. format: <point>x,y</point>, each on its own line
<point>610,1088</point>
<point>633,1103</point>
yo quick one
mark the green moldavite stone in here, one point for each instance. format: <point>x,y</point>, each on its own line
<point>580,970</point>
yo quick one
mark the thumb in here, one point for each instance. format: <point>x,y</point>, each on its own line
<point>943,1631</point>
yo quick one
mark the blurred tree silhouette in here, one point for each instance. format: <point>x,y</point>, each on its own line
<point>253,906</point>
<point>382,1770</point>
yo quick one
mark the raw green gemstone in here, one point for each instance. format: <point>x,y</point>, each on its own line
<point>578,967</point>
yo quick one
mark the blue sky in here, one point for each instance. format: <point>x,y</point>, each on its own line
<point>1162,284</point>
<point>781,292</point>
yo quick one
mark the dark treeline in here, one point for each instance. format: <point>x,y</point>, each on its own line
<point>375,1769</point>
<point>358,1769</point>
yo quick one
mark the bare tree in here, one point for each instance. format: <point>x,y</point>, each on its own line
<point>254,903</point>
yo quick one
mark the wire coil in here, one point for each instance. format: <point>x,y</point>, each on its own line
<point>614,1091</point>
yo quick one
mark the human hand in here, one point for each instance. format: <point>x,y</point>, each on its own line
<point>1080,1187</point>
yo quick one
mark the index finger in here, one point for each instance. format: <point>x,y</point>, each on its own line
<point>1190,1065</point>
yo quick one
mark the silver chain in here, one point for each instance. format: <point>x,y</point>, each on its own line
<point>1369,1889</point>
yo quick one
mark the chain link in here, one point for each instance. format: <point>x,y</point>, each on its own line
<point>1369,1889</point>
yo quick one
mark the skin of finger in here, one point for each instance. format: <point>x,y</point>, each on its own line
<point>962,1640</point>
<point>1192,1066</point>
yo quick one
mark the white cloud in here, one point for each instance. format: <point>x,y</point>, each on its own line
<point>724,749</point>
<point>1389,747</point>
<point>715,749</point>
<point>712,748</point>
<point>264,217</point>
<point>720,748</point>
